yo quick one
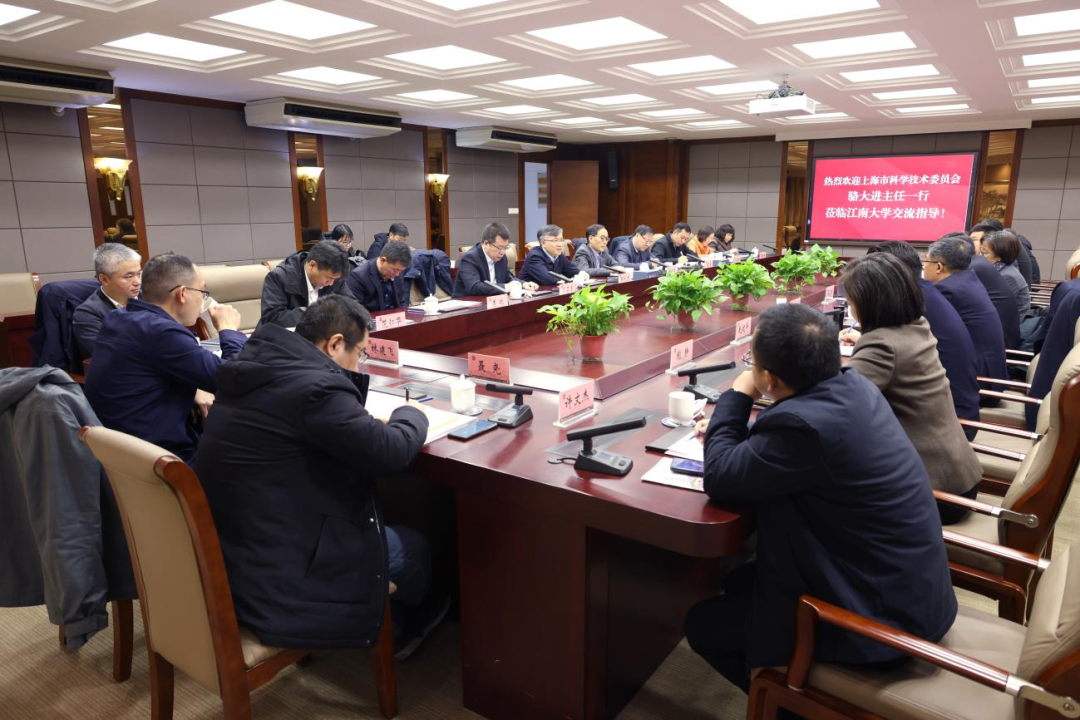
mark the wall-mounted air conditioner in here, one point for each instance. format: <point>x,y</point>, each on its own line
<point>321,118</point>
<point>495,138</point>
<point>33,83</point>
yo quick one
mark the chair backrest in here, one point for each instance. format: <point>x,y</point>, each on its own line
<point>416,293</point>
<point>1050,654</point>
<point>1042,482</point>
<point>240,286</point>
<point>176,555</point>
<point>18,296</point>
<point>511,256</point>
<point>1073,264</point>
<point>271,264</point>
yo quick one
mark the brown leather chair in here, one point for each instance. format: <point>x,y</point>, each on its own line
<point>18,295</point>
<point>271,264</point>
<point>985,668</point>
<point>184,592</point>
<point>1073,264</point>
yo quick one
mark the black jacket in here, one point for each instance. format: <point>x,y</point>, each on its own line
<point>1057,342</point>
<point>539,266</point>
<point>289,461</point>
<point>366,285</point>
<point>664,250</point>
<point>965,293</point>
<point>472,273</point>
<point>87,319</point>
<point>1034,272</point>
<point>285,295</point>
<point>377,244</point>
<point>845,513</point>
<point>1003,298</point>
<point>585,258</point>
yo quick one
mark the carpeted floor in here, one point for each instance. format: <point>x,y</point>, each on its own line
<point>39,682</point>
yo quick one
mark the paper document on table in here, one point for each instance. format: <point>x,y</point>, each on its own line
<point>688,448</point>
<point>452,305</point>
<point>440,422</point>
<point>661,474</point>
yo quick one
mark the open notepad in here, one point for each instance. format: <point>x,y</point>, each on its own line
<point>440,422</point>
<point>689,447</point>
<point>661,474</point>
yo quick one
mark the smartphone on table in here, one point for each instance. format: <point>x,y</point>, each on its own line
<point>688,467</point>
<point>477,427</point>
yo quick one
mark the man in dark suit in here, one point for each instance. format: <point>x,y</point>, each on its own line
<point>592,256</point>
<point>998,290</point>
<point>301,279</point>
<point>294,502</point>
<point>119,270</point>
<point>844,508</point>
<point>486,263</point>
<point>638,250</point>
<point>148,368</point>
<point>398,232</point>
<point>548,258</point>
<point>954,346</point>
<point>948,266</point>
<point>1056,344</point>
<point>377,283</point>
<point>672,246</point>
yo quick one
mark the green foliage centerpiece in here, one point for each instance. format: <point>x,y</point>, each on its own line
<point>591,314</point>
<point>685,295</point>
<point>827,260</point>
<point>744,279</point>
<point>793,271</point>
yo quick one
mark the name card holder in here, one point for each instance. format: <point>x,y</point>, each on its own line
<point>491,367</point>
<point>744,329</point>
<point>682,356</point>
<point>830,293</point>
<point>577,404</point>
<point>391,320</point>
<point>383,352</point>
<point>796,301</point>
<point>566,288</point>
<point>498,301</point>
<point>625,277</point>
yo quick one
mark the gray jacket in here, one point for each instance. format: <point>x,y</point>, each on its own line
<point>61,539</point>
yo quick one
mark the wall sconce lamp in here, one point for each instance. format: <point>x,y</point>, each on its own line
<point>114,170</point>
<point>309,179</point>
<point>438,184</point>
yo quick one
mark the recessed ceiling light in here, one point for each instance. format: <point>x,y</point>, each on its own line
<point>1054,82</point>
<point>619,100</point>
<point>598,34</point>
<point>894,73</point>
<point>820,116</point>
<point>933,108</point>
<point>11,13</point>
<point>861,45</point>
<point>739,88</point>
<point>580,121</point>
<point>109,106</point>
<point>463,4</point>
<point>683,66</point>
<point>517,110</point>
<point>631,129</point>
<point>921,93</point>
<point>437,96</point>
<point>676,112</point>
<point>1062,21</point>
<point>713,123</point>
<point>765,12</point>
<point>446,57</point>
<point>106,127</point>
<point>154,44</point>
<point>1051,58</point>
<point>329,75</point>
<point>546,82</point>
<point>1058,100</point>
<point>286,18</point>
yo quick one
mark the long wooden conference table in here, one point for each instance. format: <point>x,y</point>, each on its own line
<point>573,585</point>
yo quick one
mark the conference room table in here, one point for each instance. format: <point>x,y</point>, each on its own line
<point>573,585</point>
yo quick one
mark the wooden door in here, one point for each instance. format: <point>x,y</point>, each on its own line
<point>574,195</point>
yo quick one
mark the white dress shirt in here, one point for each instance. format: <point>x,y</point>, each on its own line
<point>312,293</point>
<point>491,267</point>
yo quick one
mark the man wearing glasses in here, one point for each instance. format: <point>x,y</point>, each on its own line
<point>148,367</point>
<point>486,263</point>
<point>542,262</point>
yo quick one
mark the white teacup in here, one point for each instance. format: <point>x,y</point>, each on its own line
<point>431,305</point>
<point>681,407</point>
<point>514,287</point>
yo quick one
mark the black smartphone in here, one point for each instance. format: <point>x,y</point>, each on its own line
<point>688,467</point>
<point>477,427</point>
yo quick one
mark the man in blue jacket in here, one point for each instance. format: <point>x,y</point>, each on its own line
<point>637,250</point>
<point>148,368</point>
<point>548,258</point>
<point>948,266</point>
<point>843,504</point>
<point>954,346</point>
<point>377,283</point>
<point>486,263</point>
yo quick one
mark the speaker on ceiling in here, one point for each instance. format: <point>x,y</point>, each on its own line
<point>613,170</point>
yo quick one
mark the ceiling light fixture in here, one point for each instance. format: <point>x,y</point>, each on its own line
<point>286,18</point>
<point>580,121</point>
<point>713,123</point>
<point>1062,21</point>
<point>767,12</point>
<point>1054,82</point>
<point>1060,57</point>
<point>631,130</point>
<point>458,5</point>
<point>819,116</point>
<point>933,108</point>
<point>329,75</point>
<point>675,112</point>
<point>598,34</point>
<point>166,46</point>
<point>436,96</point>
<point>861,45</point>
<point>611,100</point>
<point>683,66</point>
<point>921,93</point>
<point>517,110</point>
<point>1056,100</point>
<point>546,82</point>
<point>11,13</point>
<point>739,88</point>
<point>894,73</point>
<point>446,57</point>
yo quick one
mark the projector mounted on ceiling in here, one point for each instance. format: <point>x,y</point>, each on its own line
<point>784,101</point>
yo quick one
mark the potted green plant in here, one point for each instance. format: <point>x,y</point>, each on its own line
<point>742,280</point>
<point>591,314</point>
<point>793,271</point>
<point>685,295</point>
<point>827,260</point>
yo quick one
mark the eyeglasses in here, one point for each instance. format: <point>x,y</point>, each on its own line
<point>500,248</point>
<point>205,293</point>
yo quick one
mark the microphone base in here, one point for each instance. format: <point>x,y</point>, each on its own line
<point>603,462</point>
<point>710,395</point>
<point>512,416</point>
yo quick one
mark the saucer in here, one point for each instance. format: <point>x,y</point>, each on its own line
<point>673,423</point>
<point>476,410</point>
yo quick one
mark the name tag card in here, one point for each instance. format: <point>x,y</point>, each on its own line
<point>781,300</point>
<point>577,403</point>
<point>393,320</point>
<point>491,367</point>
<point>383,350</point>
<point>796,301</point>
<point>681,354</point>
<point>626,277</point>
<point>743,328</point>
<point>567,288</point>
<point>761,254</point>
<point>497,301</point>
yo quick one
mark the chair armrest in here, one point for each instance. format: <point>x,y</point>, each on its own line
<point>1020,353</point>
<point>810,610</point>
<point>1027,560</point>
<point>1006,383</point>
<point>1011,396</point>
<point>998,452</point>
<point>1018,363</point>
<point>1000,429</point>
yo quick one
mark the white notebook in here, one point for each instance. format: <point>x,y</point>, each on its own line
<point>440,422</point>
